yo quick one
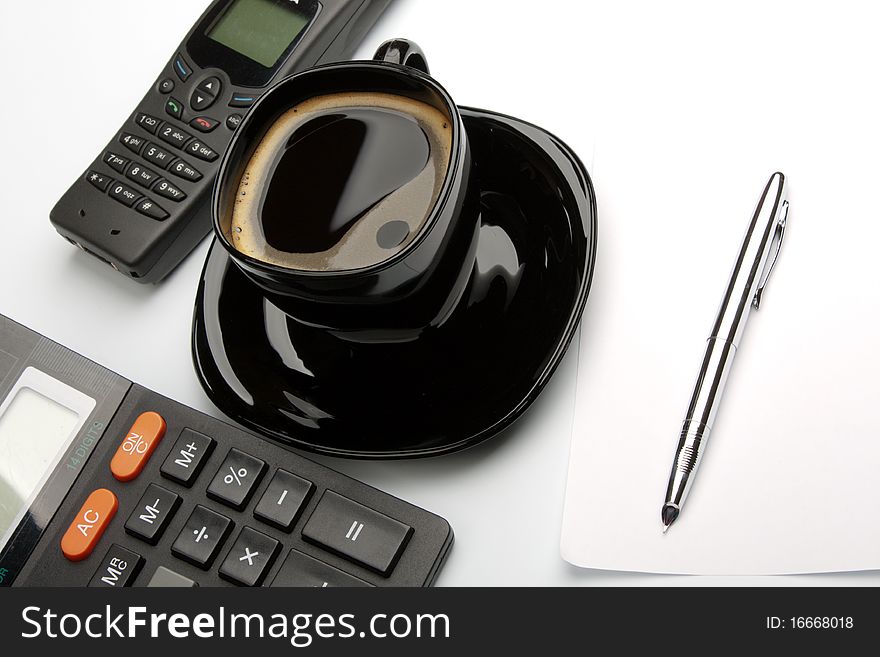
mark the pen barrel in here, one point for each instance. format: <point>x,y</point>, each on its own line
<point>710,383</point>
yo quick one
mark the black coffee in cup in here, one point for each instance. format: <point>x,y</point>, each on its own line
<point>341,181</point>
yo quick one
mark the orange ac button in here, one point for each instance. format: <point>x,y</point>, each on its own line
<point>137,447</point>
<point>89,524</point>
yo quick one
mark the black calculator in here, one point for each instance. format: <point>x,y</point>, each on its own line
<point>143,204</point>
<point>106,483</point>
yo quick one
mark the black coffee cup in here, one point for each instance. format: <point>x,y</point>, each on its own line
<point>417,286</point>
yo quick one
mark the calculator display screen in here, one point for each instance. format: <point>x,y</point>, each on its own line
<point>261,30</point>
<point>35,431</point>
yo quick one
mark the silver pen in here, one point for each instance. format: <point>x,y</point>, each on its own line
<point>755,261</point>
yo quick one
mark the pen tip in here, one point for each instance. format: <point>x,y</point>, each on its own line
<point>669,514</point>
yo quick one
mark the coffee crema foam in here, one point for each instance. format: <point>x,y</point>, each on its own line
<point>273,208</point>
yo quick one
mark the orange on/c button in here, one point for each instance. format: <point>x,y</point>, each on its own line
<point>89,524</point>
<point>137,447</point>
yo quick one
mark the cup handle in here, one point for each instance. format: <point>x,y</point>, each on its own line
<point>402,52</point>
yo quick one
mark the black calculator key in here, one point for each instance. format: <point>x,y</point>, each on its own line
<point>204,123</point>
<point>165,86</point>
<point>302,570</point>
<point>174,136</point>
<point>147,122</point>
<point>166,189</point>
<point>187,457</point>
<point>242,100</point>
<point>357,532</point>
<point>157,155</point>
<point>184,169</point>
<point>115,162</point>
<point>182,69</point>
<point>283,500</point>
<point>236,479</point>
<point>233,121</point>
<point>132,142</point>
<point>174,107</point>
<point>202,151</point>
<point>166,578</point>
<point>124,194</point>
<point>141,175</point>
<point>250,558</point>
<point>99,180</point>
<point>118,569</point>
<point>201,537</point>
<point>148,208</point>
<point>152,514</point>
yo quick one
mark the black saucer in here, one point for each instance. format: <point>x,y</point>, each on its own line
<point>386,395</point>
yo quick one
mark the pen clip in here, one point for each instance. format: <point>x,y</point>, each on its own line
<point>776,246</point>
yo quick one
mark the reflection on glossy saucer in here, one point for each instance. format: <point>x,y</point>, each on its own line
<point>382,393</point>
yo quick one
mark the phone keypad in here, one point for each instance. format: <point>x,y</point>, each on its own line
<point>202,93</point>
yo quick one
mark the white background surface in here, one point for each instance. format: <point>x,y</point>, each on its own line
<point>72,72</point>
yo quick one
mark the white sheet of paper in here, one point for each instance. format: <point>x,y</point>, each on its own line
<point>790,480</point>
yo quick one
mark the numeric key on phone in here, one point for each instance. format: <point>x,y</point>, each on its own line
<point>202,151</point>
<point>185,170</point>
<point>236,479</point>
<point>147,122</point>
<point>157,155</point>
<point>174,136</point>
<point>166,189</point>
<point>134,143</point>
<point>141,175</point>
